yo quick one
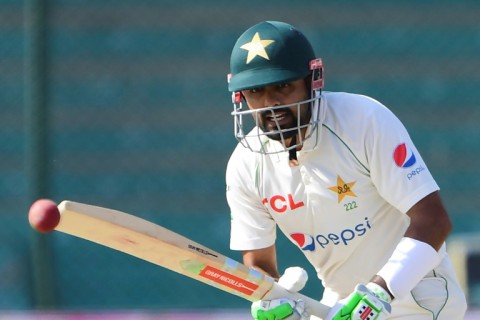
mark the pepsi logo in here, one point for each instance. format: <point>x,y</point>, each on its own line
<point>404,156</point>
<point>344,237</point>
<point>305,242</point>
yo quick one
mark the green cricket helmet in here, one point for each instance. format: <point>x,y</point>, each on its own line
<point>268,53</point>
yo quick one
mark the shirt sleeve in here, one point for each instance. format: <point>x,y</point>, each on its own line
<point>397,168</point>
<point>252,227</point>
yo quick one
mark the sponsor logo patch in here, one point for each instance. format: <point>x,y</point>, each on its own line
<point>308,242</point>
<point>304,241</point>
<point>404,156</point>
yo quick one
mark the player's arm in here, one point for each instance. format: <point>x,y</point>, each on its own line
<point>429,221</point>
<point>417,253</point>
<point>264,260</point>
<point>429,224</point>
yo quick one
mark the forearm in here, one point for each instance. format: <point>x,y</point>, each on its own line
<point>263,260</point>
<point>409,263</point>
<point>417,253</point>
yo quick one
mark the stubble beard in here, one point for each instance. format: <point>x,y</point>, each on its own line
<point>288,130</point>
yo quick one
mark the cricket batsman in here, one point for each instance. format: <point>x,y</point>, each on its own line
<point>339,175</point>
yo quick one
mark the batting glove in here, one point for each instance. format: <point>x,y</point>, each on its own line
<point>293,280</point>
<point>365,303</point>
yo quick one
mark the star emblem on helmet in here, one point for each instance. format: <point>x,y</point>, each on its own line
<point>256,47</point>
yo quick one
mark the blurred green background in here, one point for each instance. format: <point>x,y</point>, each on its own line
<point>124,104</point>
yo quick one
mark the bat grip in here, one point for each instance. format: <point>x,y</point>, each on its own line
<point>315,308</point>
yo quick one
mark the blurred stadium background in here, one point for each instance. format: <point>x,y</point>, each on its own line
<point>124,104</point>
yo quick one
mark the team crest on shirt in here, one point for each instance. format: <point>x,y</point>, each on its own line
<point>343,189</point>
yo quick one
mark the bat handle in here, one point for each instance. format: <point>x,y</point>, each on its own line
<point>315,308</point>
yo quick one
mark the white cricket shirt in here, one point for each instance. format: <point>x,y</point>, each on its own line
<point>344,205</point>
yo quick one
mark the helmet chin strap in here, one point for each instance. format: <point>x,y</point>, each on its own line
<point>292,153</point>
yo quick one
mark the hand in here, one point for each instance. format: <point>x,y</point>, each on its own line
<point>293,280</point>
<point>362,304</point>
<point>278,309</point>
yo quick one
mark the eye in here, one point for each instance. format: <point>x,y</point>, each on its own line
<point>255,90</point>
<point>284,85</point>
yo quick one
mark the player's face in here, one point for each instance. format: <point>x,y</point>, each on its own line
<point>278,95</point>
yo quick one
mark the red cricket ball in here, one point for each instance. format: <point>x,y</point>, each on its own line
<point>44,215</point>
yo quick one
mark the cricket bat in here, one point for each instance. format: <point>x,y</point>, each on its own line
<point>148,241</point>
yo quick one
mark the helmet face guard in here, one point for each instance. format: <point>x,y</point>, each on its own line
<point>251,119</point>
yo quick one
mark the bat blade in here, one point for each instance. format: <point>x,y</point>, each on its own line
<point>153,243</point>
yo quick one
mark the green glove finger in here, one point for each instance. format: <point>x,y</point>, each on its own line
<point>279,312</point>
<point>346,312</point>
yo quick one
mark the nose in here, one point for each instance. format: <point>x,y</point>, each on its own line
<point>272,98</point>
